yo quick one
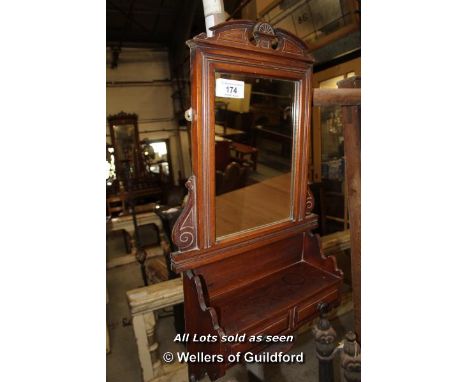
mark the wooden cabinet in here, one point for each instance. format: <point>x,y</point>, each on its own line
<point>250,263</point>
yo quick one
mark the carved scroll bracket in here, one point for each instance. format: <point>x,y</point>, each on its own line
<point>310,202</point>
<point>184,233</point>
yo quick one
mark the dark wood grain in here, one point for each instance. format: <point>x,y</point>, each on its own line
<point>351,116</point>
<point>333,97</point>
<point>270,277</point>
<point>232,273</point>
<point>202,320</point>
<point>184,234</point>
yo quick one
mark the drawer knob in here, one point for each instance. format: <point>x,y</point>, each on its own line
<point>323,308</point>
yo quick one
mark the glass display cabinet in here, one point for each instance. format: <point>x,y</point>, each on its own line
<point>123,129</point>
<point>250,263</point>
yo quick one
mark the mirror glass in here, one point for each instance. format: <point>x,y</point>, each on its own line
<point>156,157</point>
<point>125,144</point>
<point>253,151</point>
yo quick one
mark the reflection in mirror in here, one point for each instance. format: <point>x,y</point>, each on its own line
<point>156,157</point>
<point>253,151</point>
<point>125,144</point>
<point>110,160</point>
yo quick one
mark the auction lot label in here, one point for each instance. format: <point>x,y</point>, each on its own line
<point>229,88</point>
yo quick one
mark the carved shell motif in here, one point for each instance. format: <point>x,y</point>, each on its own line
<point>264,35</point>
<point>264,28</point>
<point>184,233</point>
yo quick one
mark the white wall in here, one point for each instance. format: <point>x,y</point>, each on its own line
<point>151,102</point>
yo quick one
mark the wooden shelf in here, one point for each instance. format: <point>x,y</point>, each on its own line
<point>300,285</point>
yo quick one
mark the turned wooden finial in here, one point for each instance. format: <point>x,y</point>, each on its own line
<point>351,358</point>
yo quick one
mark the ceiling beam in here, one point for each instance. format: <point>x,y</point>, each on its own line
<point>186,15</point>
<point>150,44</point>
<point>146,12</point>
<point>156,20</point>
<point>238,9</point>
<point>128,16</point>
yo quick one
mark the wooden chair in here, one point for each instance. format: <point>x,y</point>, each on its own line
<point>160,269</point>
<point>233,177</point>
<point>221,115</point>
<point>116,205</point>
<point>222,155</point>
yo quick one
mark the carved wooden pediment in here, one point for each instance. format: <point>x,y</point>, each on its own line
<point>252,35</point>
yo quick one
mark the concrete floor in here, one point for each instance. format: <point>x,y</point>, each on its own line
<point>122,361</point>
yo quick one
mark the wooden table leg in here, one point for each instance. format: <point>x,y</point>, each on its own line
<point>254,160</point>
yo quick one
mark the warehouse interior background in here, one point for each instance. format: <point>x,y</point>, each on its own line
<point>148,75</point>
<point>56,107</point>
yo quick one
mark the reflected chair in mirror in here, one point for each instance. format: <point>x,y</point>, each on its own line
<point>221,115</point>
<point>245,122</point>
<point>222,155</point>
<point>232,178</point>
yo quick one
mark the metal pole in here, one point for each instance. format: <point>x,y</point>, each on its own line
<point>214,14</point>
<point>140,252</point>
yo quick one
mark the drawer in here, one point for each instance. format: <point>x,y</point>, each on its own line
<point>274,326</point>
<point>309,308</point>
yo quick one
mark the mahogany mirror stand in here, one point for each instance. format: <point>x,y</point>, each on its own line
<point>249,261</point>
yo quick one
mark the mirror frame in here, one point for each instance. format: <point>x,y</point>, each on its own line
<point>241,47</point>
<point>212,182</point>
<point>125,119</point>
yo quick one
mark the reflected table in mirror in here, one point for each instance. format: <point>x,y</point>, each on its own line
<point>254,206</point>
<point>278,134</point>
<point>241,150</point>
<point>227,131</point>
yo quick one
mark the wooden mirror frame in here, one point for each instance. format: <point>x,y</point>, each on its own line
<point>231,51</point>
<point>285,256</point>
<point>123,118</point>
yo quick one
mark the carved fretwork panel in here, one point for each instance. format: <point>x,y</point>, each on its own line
<point>261,36</point>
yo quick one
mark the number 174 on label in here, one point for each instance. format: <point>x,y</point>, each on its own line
<point>229,88</point>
